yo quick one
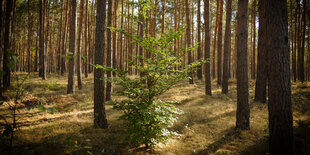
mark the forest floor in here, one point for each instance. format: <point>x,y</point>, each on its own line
<point>206,127</point>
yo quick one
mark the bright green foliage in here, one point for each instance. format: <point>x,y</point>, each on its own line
<point>148,119</point>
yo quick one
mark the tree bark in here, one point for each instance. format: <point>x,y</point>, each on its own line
<point>71,54</point>
<point>279,86</point>
<point>226,48</point>
<point>199,53</point>
<point>86,40</point>
<point>219,44</point>
<point>100,120</point>
<point>207,48</point>
<point>188,38</point>
<point>29,34</point>
<point>7,45</point>
<point>254,40</point>
<point>109,50</point>
<point>243,109</point>
<point>261,80</point>
<point>1,4</point>
<point>80,26</point>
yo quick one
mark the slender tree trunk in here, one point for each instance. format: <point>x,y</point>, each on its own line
<point>163,17</point>
<point>64,41</point>
<point>207,48</point>
<point>188,38</point>
<point>29,34</point>
<point>71,61</point>
<point>121,40</point>
<point>41,43</point>
<point>114,35</point>
<point>7,46</point>
<point>296,45</point>
<point>109,50</point>
<point>36,55</point>
<point>1,4</point>
<point>261,81</point>
<point>80,26</point>
<point>254,40</point>
<point>59,35</point>
<point>226,48</point>
<point>199,53</point>
<point>215,38</point>
<point>279,86</point>
<point>243,109</point>
<point>100,120</point>
<point>219,44</point>
<point>141,23</point>
<point>86,40</point>
<point>301,51</point>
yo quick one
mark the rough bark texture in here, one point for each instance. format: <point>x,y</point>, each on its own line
<point>7,45</point>
<point>1,4</point>
<point>59,35</point>
<point>243,109</point>
<point>71,54</point>
<point>199,53</point>
<point>261,79</point>
<point>207,48</point>
<point>114,35</point>
<point>188,38</point>
<point>100,120</point>
<point>41,43</point>
<point>279,86</point>
<point>219,44</point>
<point>226,48</point>
<point>109,50</point>
<point>78,48</point>
<point>214,40</point>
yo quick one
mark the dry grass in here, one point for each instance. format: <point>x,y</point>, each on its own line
<point>207,126</point>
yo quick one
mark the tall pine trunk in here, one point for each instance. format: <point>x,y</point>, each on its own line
<point>226,48</point>
<point>207,48</point>
<point>243,109</point>
<point>279,86</point>
<point>219,44</point>
<point>188,38</point>
<point>71,54</point>
<point>109,50</point>
<point>78,48</point>
<point>261,79</point>
<point>100,120</point>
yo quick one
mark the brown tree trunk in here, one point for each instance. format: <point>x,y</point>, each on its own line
<point>71,54</point>
<point>243,109</point>
<point>301,51</point>
<point>59,39</point>
<point>64,41</point>
<point>199,53</point>
<point>279,86</point>
<point>121,40</point>
<point>226,48</point>
<point>7,45</point>
<point>1,4</point>
<point>86,40</point>
<point>100,120</point>
<point>42,70</point>
<point>207,49</point>
<point>296,44</point>
<point>261,80</point>
<point>253,40</point>
<point>219,44</point>
<point>29,34</point>
<point>109,50</point>
<point>114,35</point>
<point>215,38</point>
<point>78,56</point>
<point>163,17</point>
<point>188,38</point>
